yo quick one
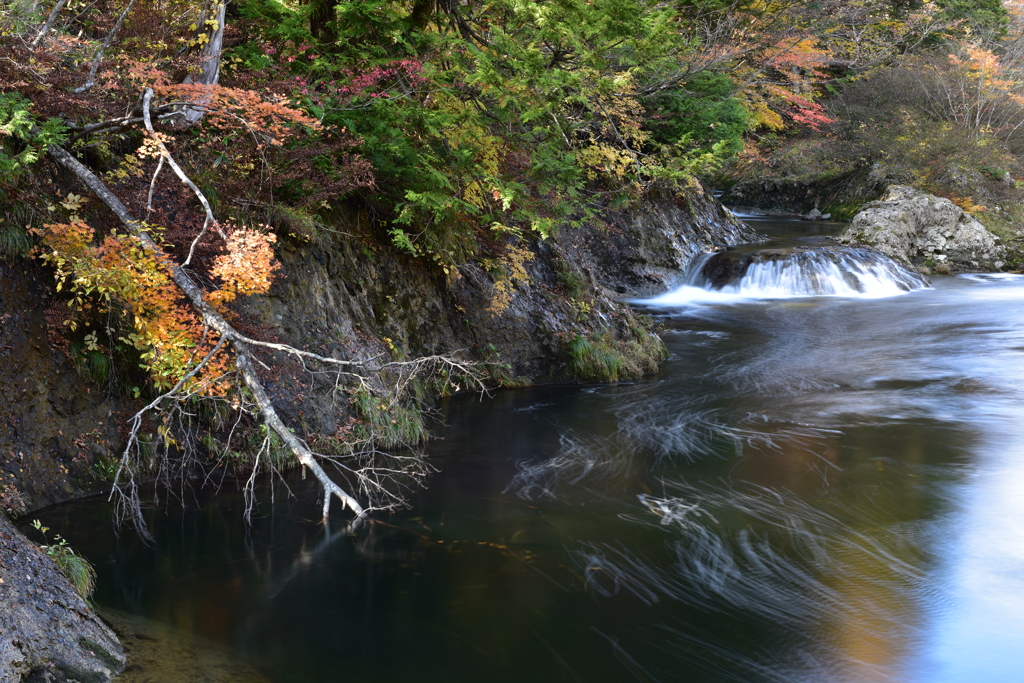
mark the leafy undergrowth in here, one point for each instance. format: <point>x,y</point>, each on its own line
<point>76,568</point>
<point>605,356</point>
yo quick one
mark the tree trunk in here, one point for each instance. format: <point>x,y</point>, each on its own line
<point>209,64</point>
<point>322,17</point>
<point>98,57</point>
<point>49,23</point>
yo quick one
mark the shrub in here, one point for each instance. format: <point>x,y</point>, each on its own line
<point>76,568</point>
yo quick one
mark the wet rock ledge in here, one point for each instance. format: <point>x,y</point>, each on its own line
<point>47,632</point>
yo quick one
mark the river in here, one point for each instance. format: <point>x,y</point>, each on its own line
<point>813,489</point>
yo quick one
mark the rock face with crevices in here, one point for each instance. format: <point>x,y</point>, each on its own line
<point>913,227</point>
<point>47,632</point>
<point>646,250</point>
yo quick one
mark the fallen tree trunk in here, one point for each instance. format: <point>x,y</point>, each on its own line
<point>239,342</point>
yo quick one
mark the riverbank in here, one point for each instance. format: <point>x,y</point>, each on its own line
<point>47,631</point>
<point>840,465</point>
<point>352,297</point>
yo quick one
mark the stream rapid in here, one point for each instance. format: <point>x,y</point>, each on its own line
<point>814,488</point>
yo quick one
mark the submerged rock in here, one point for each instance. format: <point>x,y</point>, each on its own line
<point>815,215</point>
<point>913,226</point>
<point>160,653</point>
<point>47,631</point>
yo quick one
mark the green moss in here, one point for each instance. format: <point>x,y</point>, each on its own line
<point>607,357</point>
<point>500,374</point>
<point>1005,226</point>
<point>844,211</point>
<point>594,359</point>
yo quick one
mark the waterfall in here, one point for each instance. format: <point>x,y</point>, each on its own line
<point>793,272</point>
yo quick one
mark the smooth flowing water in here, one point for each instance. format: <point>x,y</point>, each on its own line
<point>813,489</point>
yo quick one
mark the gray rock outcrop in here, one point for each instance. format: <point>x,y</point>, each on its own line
<point>646,250</point>
<point>47,632</point>
<point>912,226</point>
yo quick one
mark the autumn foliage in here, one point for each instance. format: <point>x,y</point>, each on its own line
<point>119,277</point>
<point>247,267</point>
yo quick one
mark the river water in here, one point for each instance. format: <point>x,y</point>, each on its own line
<point>813,489</point>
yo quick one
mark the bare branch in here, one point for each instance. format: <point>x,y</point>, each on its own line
<point>382,477</point>
<point>149,199</point>
<point>210,220</point>
<point>48,25</point>
<point>211,317</point>
<point>163,111</point>
<point>103,48</point>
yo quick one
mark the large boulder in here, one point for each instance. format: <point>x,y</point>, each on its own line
<point>912,227</point>
<point>47,632</point>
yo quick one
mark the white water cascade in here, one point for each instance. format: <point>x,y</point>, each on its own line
<point>792,272</point>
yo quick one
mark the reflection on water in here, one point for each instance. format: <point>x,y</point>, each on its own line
<point>822,489</point>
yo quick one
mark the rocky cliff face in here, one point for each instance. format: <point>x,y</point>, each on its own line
<point>911,226</point>
<point>54,425</point>
<point>647,251</point>
<point>760,187</point>
<point>356,299</point>
<point>47,632</point>
<point>350,293</point>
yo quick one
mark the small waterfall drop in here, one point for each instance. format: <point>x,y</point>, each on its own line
<point>793,272</point>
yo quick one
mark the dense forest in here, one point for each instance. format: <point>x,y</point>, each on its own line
<point>156,155</point>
